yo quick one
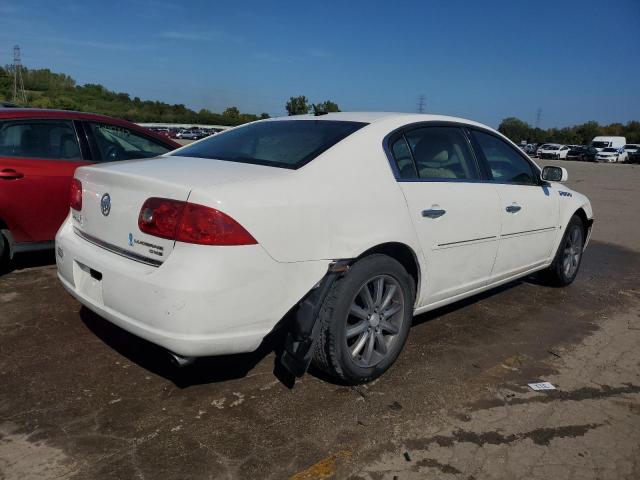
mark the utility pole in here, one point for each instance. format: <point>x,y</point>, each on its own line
<point>19,95</point>
<point>538,115</point>
<point>422,104</point>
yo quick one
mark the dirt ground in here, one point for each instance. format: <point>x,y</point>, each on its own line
<point>82,399</point>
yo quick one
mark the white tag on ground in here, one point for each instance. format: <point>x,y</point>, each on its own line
<point>541,386</point>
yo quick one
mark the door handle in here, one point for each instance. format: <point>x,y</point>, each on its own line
<point>10,174</point>
<point>433,213</point>
<point>514,208</point>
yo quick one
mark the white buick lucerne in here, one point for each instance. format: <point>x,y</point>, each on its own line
<point>338,228</point>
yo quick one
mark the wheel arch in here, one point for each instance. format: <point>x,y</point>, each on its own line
<point>586,221</point>
<point>402,253</point>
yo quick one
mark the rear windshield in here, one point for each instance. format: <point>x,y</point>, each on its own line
<point>281,143</point>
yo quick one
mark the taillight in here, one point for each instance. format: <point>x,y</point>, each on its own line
<point>191,223</point>
<point>160,217</point>
<point>76,195</point>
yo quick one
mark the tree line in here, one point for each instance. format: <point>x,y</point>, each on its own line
<point>518,130</point>
<point>46,89</point>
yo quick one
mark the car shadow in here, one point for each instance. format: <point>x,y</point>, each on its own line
<point>25,260</point>
<point>204,370</point>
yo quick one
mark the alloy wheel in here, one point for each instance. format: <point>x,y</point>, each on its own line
<point>572,251</point>
<point>374,320</point>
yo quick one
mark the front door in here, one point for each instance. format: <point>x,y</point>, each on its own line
<point>529,208</point>
<point>454,214</point>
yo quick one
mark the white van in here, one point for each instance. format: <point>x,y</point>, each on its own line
<point>603,142</point>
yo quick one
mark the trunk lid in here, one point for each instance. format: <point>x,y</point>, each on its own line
<point>125,186</point>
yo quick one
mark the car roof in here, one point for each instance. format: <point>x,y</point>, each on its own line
<point>50,113</point>
<point>40,113</point>
<point>374,117</point>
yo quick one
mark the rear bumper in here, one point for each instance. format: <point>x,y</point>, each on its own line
<point>201,301</point>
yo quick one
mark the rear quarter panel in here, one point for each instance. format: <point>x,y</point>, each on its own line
<point>337,206</point>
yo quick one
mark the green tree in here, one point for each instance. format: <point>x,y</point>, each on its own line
<point>297,105</point>
<point>327,106</point>
<point>515,129</point>
<point>264,116</point>
<point>231,112</point>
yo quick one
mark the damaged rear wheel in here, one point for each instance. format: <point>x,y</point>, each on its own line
<point>365,319</point>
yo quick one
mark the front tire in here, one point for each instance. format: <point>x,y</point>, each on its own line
<point>566,263</point>
<point>365,320</point>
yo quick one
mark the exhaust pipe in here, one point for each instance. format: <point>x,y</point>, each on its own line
<point>180,361</point>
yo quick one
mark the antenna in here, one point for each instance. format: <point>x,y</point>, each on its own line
<point>422,104</point>
<point>19,95</point>
<point>538,115</point>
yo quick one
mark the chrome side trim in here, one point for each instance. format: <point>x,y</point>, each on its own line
<point>117,250</point>
<point>537,230</point>
<point>466,241</point>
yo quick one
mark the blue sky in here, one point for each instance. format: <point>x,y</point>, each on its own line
<point>481,59</point>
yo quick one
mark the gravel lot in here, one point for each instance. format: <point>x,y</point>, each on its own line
<point>82,399</point>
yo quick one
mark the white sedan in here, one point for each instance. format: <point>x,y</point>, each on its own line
<point>338,228</point>
<point>554,151</point>
<point>611,154</point>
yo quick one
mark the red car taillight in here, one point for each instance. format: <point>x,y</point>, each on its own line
<point>76,195</point>
<point>191,223</point>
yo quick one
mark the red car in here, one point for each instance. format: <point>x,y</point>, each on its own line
<point>39,152</point>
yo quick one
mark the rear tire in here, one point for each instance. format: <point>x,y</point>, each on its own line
<point>4,254</point>
<point>566,263</point>
<point>365,320</point>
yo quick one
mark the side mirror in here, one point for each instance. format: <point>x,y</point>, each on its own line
<point>554,174</point>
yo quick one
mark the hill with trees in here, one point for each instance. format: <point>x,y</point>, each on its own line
<point>46,89</point>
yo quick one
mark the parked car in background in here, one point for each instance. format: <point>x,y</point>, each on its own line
<point>554,151</point>
<point>602,142</point>
<point>39,153</point>
<point>634,157</point>
<point>584,153</point>
<point>576,152</point>
<point>611,155</point>
<point>192,134</point>
<point>631,148</point>
<point>540,148</point>
<point>191,253</point>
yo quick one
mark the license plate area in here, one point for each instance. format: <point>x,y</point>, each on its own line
<point>88,281</point>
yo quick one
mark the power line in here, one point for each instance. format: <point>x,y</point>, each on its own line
<point>422,103</point>
<point>19,95</point>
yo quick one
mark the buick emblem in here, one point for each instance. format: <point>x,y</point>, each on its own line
<point>105,204</point>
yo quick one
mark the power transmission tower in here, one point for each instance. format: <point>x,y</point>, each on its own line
<point>422,104</point>
<point>538,115</point>
<point>19,95</point>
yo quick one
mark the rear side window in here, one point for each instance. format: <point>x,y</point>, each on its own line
<point>51,140</point>
<point>112,143</point>
<point>505,163</point>
<point>282,143</point>
<point>436,153</point>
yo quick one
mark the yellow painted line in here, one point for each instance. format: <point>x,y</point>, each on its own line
<point>325,468</point>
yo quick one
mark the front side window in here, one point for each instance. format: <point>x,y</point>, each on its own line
<point>51,140</point>
<point>117,143</point>
<point>437,153</point>
<point>282,143</point>
<point>505,163</point>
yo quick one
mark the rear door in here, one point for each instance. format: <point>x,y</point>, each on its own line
<point>454,213</point>
<point>528,207</point>
<point>37,161</point>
